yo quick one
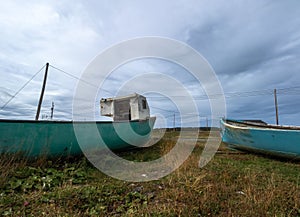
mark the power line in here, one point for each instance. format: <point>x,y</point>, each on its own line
<point>166,110</point>
<point>77,78</point>
<point>200,97</point>
<point>287,90</point>
<point>22,88</point>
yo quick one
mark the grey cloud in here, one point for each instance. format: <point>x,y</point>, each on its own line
<point>252,45</point>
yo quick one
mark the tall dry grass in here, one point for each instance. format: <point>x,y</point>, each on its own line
<point>9,163</point>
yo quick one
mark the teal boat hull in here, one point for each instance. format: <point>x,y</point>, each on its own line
<point>261,138</point>
<point>60,138</point>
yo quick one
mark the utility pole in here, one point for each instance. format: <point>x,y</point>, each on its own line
<point>52,109</point>
<point>206,122</point>
<point>174,122</point>
<point>42,93</point>
<point>276,106</point>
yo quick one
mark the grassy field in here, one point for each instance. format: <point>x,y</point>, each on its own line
<point>231,184</point>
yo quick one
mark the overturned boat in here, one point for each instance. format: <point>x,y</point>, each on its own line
<point>260,137</point>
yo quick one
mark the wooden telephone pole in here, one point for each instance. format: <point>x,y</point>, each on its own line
<point>42,93</point>
<point>276,106</point>
<point>174,122</point>
<point>52,110</point>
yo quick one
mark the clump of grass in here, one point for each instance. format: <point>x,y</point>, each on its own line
<point>8,164</point>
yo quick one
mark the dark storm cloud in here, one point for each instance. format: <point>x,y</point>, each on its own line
<point>253,46</point>
<point>246,36</point>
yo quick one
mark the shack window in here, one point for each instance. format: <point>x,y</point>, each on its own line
<point>144,104</point>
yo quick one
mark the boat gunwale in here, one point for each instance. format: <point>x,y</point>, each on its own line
<point>247,125</point>
<point>68,122</point>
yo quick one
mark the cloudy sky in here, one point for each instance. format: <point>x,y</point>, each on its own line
<point>253,47</point>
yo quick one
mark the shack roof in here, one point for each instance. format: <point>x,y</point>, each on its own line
<point>130,96</point>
